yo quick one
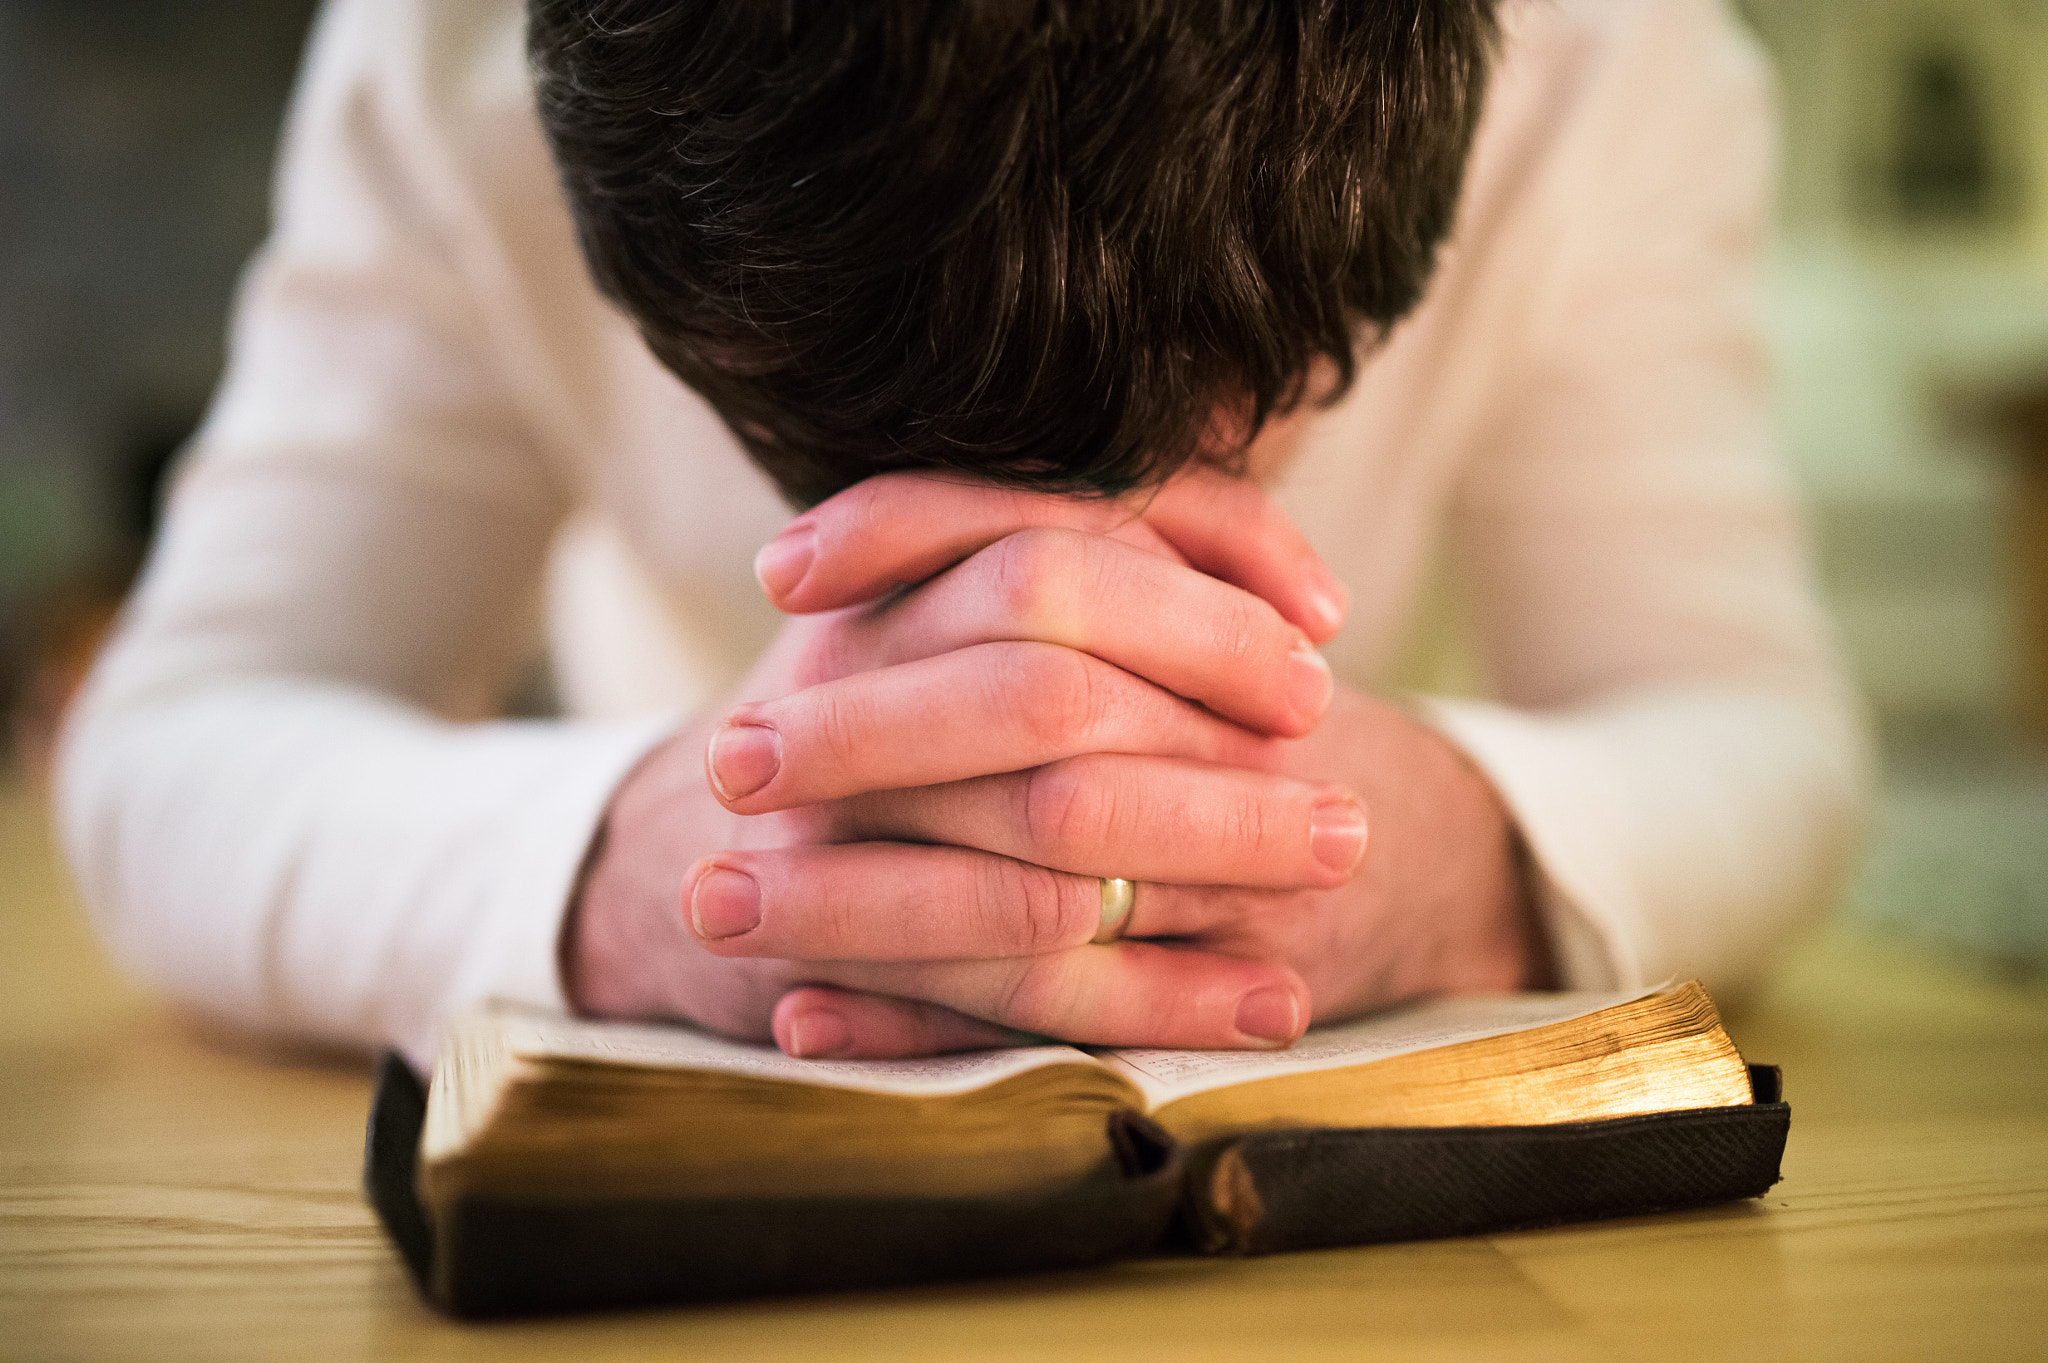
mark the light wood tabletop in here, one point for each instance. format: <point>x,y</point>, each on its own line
<point>168,1194</point>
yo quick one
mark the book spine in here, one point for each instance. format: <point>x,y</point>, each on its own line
<point>1288,1190</point>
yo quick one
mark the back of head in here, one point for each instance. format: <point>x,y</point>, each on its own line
<point>1067,244</point>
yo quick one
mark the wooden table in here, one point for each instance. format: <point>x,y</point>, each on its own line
<point>163,1195</point>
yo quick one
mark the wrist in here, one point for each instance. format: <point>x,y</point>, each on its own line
<point>1506,946</point>
<point>624,914</point>
<point>1446,887</point>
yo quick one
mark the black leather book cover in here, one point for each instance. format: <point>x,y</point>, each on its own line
<point>1254,1194</point>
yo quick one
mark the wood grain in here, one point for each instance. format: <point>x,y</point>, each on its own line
<point>166,1193</point>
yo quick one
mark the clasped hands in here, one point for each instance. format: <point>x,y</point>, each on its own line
<point>986,699</point>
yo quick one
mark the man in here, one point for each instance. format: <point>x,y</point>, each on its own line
<point>918,260</point>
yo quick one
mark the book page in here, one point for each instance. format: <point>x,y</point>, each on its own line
<point>1166,1075</point>
<point>536,1034</point>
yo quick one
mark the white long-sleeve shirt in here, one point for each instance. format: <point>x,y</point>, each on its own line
<point>283,804</point>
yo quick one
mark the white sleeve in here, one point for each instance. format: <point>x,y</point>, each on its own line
<point>1672,733</point>
<point>280,802</point>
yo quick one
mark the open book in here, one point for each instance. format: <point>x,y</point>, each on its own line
<point>536,1115</point>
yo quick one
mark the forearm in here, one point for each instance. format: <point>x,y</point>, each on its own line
<point>308,860</point>
<point>279,803</point>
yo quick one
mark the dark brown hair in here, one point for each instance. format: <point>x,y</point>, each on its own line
<point>1043,241</point>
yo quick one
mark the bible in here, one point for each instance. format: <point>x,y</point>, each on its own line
<point>557,1163</point>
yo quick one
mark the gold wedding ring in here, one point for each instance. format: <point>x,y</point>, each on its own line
<point>1117,897</point>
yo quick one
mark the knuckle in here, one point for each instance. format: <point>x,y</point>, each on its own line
<point>1057,807</point>
<point>841,926</point>
<point>1036,997</point>
<point>1054,694</point>
<point>1028,908</point>
<point>1066,812</point>
<point>1244,633</point>
<point>840,719</point>
<point>1249,821</point>
<point>1030,575</point>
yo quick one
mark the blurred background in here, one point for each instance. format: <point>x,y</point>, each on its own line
<point>1907,302</point>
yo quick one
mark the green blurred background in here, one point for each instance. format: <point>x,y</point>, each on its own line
<point>1907,301</point>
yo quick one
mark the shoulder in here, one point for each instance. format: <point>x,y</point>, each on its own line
<point>431,77</point>
<point>429,49</point>
<point>1629,109</point>
<point>1664,55</point>
<point>425,108</point>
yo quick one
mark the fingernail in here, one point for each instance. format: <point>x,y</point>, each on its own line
<point>1269,1014</point>
<point>724,903</point>
<point>783,561</point>
<point>1336,834</point>
<point>743,758</point>
<point>1328,603</point>
<point>818,1032</point>
<point>1308,682</point>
